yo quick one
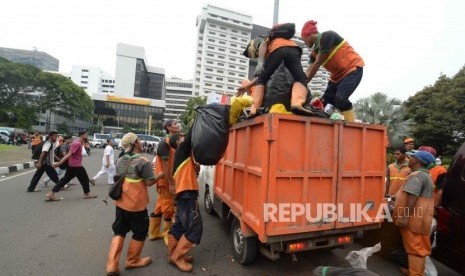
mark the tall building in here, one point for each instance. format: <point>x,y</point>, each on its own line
<point>134,78</point>
<point>139,93</point>
<point>178,93</point>
<point>93,79</point>
<point>222,36</point>
<point>36,58</point>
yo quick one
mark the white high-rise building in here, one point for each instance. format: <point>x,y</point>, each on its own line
<point>178,93</point>
<point>93,79</point>
<point>222,37</point>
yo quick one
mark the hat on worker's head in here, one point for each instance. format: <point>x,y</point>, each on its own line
<point>428,149</point>
<point>309,28</point>
<point>408,140</point>
<point>128,141</point>
<point>252,47</point>
<point>424,156</point>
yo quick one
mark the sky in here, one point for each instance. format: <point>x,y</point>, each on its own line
<point>406,44</point>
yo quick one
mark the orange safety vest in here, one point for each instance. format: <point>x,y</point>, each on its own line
<point>421,217</point>
<point>278,43</point>
<point>341,61</point>
<point>159,167</point>
<point>186,177</point>
<point>135,196</point>
<point>435,172</point>
<point>397,177</point>
<point>36,139</point>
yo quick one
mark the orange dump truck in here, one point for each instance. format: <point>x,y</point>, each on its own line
<point>293,183</point>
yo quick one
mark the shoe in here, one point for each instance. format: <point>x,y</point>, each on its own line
<point>65,187</point>
<point>89,195</point>
<point>166,229</point>
<point>51,197</point>
<point>300,110</point>
<point>154,228</point>
<point>133,259</point>
<point>92,181</point>
<point>172,242</point>
<point>114,255</point>
<point>177,258</point>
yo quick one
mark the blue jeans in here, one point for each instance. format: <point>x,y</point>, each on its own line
<point>338,94</point>
<point>188,221</point>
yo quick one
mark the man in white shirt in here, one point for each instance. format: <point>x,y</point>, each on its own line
<point>108,164</point>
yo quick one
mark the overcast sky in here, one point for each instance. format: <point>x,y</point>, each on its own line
<point>406,44</point>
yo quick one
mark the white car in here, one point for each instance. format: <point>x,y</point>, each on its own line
<point>4,137</point>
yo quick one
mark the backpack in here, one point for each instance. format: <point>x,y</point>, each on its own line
<point>37,151</point>
<point>285,30</point>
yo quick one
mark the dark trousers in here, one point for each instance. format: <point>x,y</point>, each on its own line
<point>291,58</point>
<point>136,222</point>
<point>49,170</point>
<point>72,172</point>
<point>188,221</point>
<point>338,94</point>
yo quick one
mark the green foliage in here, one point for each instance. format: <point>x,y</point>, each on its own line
<point>188,116</point>
<point>63,128</point>
<point>25,90</point>
<point>438,114</point>
<point>94,129</point>
<point>381,110</point>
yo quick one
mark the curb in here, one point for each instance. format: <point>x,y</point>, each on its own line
<point>17,167</point>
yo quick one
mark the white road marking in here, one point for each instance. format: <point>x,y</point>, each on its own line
<point>4,179</point>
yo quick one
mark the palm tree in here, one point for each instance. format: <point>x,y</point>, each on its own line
<point>381,110</point>
<point>188,116</point>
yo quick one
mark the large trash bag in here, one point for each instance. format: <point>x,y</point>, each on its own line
<point>341,271</point>
<point>358,259</point>
<point>210,133</point>
<point>237,106</point>
<point>278,88</point>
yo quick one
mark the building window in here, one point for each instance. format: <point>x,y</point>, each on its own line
<point>233,38</point>
<point>233,45</point>
<point>85,77</point>
<point>222,42</point>
<point>223,28</point>
<point>84,70</point>
<point>232,66</point>
<point>220,71</point>
<point>244,33</point>
<point>221,57</point>
<point>221,49</point>
<point>212,33</point>
<point>209,62</point>
<point>211,40</point>
<point>218,78</point>
<point>220,64</point>
<point>211,47</point>
<point>234,31</point>
<point>209,69</point>
<point>210,55</point>
<point>222,35</point>
<point>219,86</point>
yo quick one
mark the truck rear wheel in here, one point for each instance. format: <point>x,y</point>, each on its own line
<point>208,201</point>
<point>245,248</point>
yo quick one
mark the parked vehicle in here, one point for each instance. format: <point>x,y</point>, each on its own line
<point>279,160</point>
<point>4,136</point>
<point>100,140</point>
<point>117,140</point>
<point>450,239</point>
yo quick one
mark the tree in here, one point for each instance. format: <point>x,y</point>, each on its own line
<point>381,110</point>
<point>94,129</point>
<point>25,90</point>
<point>437,112</point>
<point>188,116</point>
<point>63,128</point>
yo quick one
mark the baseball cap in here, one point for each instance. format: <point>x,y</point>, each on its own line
<point>408,140</point>
<point>128,140</point>
<point>428,149</point>
<point>424,156</point>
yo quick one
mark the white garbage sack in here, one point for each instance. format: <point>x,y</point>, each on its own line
<point>358,259</point>
<point>430,268</point>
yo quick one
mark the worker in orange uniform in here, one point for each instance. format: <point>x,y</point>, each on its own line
<point>36,140</point>
<point>397,172</point>
<point>131,208</point>
<point>413,211</point>
<point>337,56</point>
<point>164,207</point>
<point>187,228</point>
<point>438,174</point>
<point>270,55</point>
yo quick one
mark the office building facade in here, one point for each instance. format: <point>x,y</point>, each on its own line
<point>39,59</point>
<point>93,79</point>
<point>222,36</point>
<point>178,93</point>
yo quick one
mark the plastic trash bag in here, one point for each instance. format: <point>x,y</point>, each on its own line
<point>430,268</point>
<point>341,271</point>
<point>210,133</point>
<point>278,88</point>
<point>237,105</point>
<point>358,259</point>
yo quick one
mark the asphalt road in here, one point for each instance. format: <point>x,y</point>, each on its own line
<point>71,237</point>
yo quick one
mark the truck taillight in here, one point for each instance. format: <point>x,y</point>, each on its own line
<point>344,240</point>
<point>300,246</point>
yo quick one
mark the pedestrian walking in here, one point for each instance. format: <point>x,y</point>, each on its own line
<point>60,152</point>
<point>75,169</point>
<point>108,164</point>
<point>36,140</point>
<point>45,163</point>
<point>131,208</point>
<point>187,228</point>
<point>413,211</point>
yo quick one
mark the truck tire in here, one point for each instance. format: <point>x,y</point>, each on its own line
<point>207,199</point>
<point>245,249</point>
